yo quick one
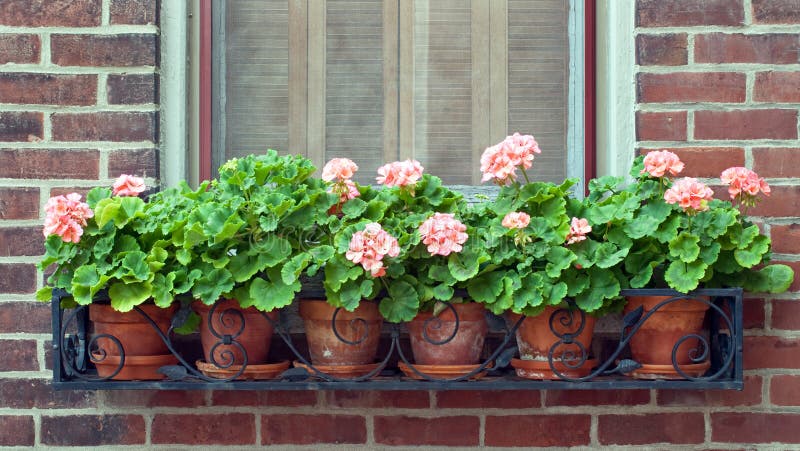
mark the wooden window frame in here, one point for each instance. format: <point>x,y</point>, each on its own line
<point>205,86</point>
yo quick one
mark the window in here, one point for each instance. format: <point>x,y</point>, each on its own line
<point>382,80</point>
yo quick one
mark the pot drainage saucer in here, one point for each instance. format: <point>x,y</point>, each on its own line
<point>442,371</point>
<point>251,371</point>
<point>540,369</point>
<point>668,372</point>
<point>339,371</point>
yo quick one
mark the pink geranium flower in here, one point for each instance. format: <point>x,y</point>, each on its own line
<point>400,173</point>
<point>743,181</point>
<point>443,234</point>
<point>516,220</point>
<point>578,229</point>
<point>368,247</point>
<point>690,194</point>
<point>339,169</point>
<point>128,185</point>
<point>346,190</point>
<point>659,162</point>
<point>500,162</point>
<point>66,216</point>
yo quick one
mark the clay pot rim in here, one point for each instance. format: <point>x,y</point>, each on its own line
<point>104,313</point>
<point>202,309</point>
<point>467,311</point>
<point>552,308</point>
<point>683,305</point>
<point>320,309</point>
<point>135,360</point>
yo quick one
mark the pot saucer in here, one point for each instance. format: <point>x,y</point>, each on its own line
<point>442,371</point>
<point>136,367</point>
<point>540,369</point>
<point>251,372</point>
<point>339,371</point>
<point>668,372</point>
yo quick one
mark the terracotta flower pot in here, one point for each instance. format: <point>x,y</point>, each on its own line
<point>145,351</point>
<point>248,327</point>
<point>361,329</point>
<point>535,338</point>
<point>653,343</point>
<point>465,346</point>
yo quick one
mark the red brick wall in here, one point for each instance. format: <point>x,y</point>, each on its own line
<point>718,81</point>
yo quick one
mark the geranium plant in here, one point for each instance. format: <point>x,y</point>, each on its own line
<point>677,235</point>
<point>535,239</point>
<point>95,245</point>
<point>400,244</point>
<point>249,240</point>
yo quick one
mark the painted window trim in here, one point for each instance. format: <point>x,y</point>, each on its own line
<point>609,45</point>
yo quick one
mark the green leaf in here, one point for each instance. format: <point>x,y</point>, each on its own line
<point>163,289</point>
<point>753,254</point>
<point>44,294</point>
<point>668,229</point>
<point>743,239</point>
<point>685,246</point>
<point>603,285</point>
<point>212,284</point>
<point>294,267</point>
<point>321,253</point>
<point>184,256</point>
<point>558,258</point>
<point>402,303</point>
<point>124,296</point>
<point>136,265</point>
<point>443,292</point>
<point>273,250</point>
<point>353,208</point>
<point>463,265</point>
<point>609,255</point>
<point>683,276</point>
<point>97,194</point>
<point>375,210</point>
<point>273,293</point>
<point>487,287</point>
<point>770,279</point>
<point>647,220</point>
<point>710,252</point>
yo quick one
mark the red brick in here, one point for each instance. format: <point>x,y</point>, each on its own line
<point>786,314</point>
<point>142,162</point>
<point>132,89</point>
<point>16,430</point>
<point>50,13</point>
<point>441,431</point>
<point>661,126</point>
<point>777,87</point>
<point>119,50</point>
<point>691,87</point>
<point>750,396</point>
<point>120,399</point>
<point>746,124</point>
<point>64,190</point>
<point>312,429</point>
<point>49,89</point>
<point>49,164</point>
<point>746,48</point>
<point>93,430</point>
<point>679,13</point>
<point>537,430</point>
<point>595,397</point>
<point>784,201</point>
<point>506,399</point>
<point>38,393</point>
<point>19,355</point>
<point>784,390</point>
<point>19,48</point>
<point>776,11</point>
<point>210,429</point>
<point>24,317</point>
<point>264,398</point>
<point>17,278</point>
<point>371,399</point>
<point>21,126</point>
<point>137,12</point>
<point>105,126</point>
<point>18,203</point>
<point>753,313</point>
<point>672,428</point>
<point>771,352</point>
<point>776,162</point>
<point>661,49</point>
<point>16,241</point>
<point>734,427</point>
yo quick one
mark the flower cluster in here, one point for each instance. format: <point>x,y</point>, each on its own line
<point>340,171</point>
<point>744,183</point>
<point>690,194</point>
<point>499,162</point>
<point>128,185</point>
<point>659,162</point>
<point>369,246</point>
<point>443,234</point>
<point>400,173</point>
<point>66,217</point>
<point>578,229</point>
<point>516,220</point>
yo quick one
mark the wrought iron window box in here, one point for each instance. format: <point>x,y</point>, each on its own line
<point>73,367</point>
